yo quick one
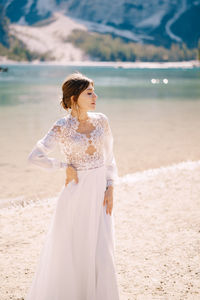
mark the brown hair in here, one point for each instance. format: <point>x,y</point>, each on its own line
<point>73,85</point>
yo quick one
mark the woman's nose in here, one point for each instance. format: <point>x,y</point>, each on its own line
<point>95,96</point>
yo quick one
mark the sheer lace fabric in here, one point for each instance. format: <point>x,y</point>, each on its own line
<point>84,151</point>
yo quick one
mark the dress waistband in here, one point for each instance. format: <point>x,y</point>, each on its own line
<point>90,169</point>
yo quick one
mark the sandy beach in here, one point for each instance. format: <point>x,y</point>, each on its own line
<point>157,232</point>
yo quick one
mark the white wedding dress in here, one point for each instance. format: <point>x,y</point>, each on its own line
<point>77,259</point>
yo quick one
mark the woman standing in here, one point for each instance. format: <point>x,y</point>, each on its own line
<point>77,259</point>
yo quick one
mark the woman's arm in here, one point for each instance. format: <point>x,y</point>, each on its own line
<point>39,154</point>
<point>111,167</point>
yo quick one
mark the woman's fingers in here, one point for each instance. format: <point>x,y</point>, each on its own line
<point>109,202</point>
<point>76,178</point>
<point>71,174</point>
<point>109,208</point>
<point>66,182</point>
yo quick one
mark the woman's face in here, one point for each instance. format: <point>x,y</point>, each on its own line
<point>87,99</point>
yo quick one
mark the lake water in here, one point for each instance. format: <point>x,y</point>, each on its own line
<point>154,115</point>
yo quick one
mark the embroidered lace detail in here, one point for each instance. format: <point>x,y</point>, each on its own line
<point>83,150</point>
<point>85,147</point>
<point>91,149</point>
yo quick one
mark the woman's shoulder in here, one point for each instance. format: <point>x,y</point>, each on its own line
<point>98,115</point>
<point>59,122</point>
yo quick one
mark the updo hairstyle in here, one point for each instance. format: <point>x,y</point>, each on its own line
<point>74,85</point>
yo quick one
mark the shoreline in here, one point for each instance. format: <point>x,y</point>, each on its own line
<point>126,65</point>
<point>129,180</point>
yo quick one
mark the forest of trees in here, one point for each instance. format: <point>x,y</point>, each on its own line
<point>18,51</point>
<point>13,48</point>
<point>104,47</point>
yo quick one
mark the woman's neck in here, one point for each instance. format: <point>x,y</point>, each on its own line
<point>81,116</point>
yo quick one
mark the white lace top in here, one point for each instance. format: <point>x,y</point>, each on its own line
<point>82,150</point>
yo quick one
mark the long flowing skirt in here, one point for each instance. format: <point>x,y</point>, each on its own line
<point>77,259</point>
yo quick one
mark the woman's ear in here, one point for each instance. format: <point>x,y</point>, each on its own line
<point>72,100</point>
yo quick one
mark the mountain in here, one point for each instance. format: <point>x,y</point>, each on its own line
<point>48,38</point>
<point>158,22</point>
<point>4,25</point>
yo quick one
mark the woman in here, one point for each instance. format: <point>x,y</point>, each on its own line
<point>77,259</point>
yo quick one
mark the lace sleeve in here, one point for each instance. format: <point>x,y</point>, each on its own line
<point>111,167</point>
<point>39,154</point>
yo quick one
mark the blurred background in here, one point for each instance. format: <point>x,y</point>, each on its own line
<point>74,30</point>
<point>144,59</point>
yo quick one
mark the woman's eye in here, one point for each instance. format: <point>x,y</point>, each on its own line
<point>89,93</point>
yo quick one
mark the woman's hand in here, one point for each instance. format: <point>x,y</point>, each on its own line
<point>108,199</point>
<point>71,174</point>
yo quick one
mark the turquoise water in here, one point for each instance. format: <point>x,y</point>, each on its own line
<point>129,84</point>
<point>154,123</point>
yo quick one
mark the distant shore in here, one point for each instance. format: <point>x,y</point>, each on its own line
<point>125,65</point>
